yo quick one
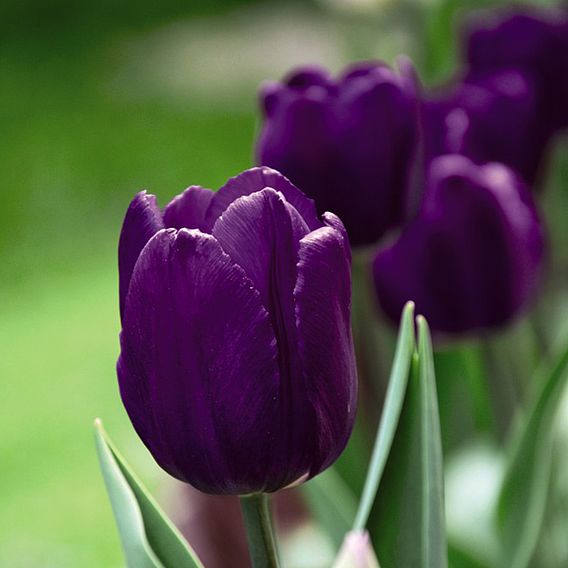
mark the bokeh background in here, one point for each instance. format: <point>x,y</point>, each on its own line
<point>97,101</point>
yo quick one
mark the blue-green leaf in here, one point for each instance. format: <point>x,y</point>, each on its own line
<point>408,519</point>
<point>149,538</point>
<point>391,413</point>
<point>523,495</point>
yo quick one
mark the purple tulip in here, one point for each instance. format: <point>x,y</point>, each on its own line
<point>491,119</point>
<point>346,142</point>
<point>533,41</point>
<point>237,366</point>
<point>472,257</point>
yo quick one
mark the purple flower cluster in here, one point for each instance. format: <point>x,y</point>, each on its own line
<point>438,182</point>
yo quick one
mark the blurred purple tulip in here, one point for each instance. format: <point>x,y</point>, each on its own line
<point>236,365</point>
<point>472,257</point>
<point>347,142</point>
<point>532,41</point>
<point>494,118</point>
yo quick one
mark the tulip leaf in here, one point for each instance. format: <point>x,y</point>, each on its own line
<point>332,503</point>
<point>460,558</point>
<point>391,413</point>
<point>408,518</point>
<point>523,496</point>
<point>149,538</point>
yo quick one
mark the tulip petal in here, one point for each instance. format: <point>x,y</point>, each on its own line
<point>254,180</point>
<point>187,210</point>
<point>197,371</point>
<point>261,233</point>
<point>142,221</point>
<point>323,300</point>
<point>308,76</point>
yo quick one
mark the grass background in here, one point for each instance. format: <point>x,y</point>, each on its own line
<point>72,154</point>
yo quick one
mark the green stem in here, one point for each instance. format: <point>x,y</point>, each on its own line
<point>260,534</point>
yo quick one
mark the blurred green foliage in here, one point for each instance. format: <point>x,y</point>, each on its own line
<point>73,152</point>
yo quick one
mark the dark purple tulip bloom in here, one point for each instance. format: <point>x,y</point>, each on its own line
<point>532,41</point>
<point>346,142</point>
<point>493,118</point>
<point>472,258</point>
<point>236,365</point>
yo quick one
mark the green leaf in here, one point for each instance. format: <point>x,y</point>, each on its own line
<point>523,496</point>
<point>391,413</point>
<point>332,503</point>
<point>408,518</point>
<point>459,558</point>
<point>149,538</point>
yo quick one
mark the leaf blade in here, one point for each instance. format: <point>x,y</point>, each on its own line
<point>408,519</point>
<point>394,400</point>
<point>522,500</point>
<point>434,526</point>
<point>149,538</point>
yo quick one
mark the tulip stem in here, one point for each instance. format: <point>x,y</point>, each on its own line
<point>260,532</point>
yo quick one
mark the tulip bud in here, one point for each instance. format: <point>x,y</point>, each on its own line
<point>493,118</point>
<point>472,257</point>
<point>357,552</point>
<point>236,364</point>
<point>346,142</point>
<point>532,41</point>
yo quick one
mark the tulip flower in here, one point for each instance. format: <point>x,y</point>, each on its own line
<point>531,41</point>
<point>493,118</point>
<point>236,365</point>
<point>346,142</point>
<point>472,257</point>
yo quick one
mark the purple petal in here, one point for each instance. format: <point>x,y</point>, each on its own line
<point>188,209</point>
<point>323,300</point>
<point>261,233</point>
<point>197,370</point>
<point>362,69</point>
<point>142,221</point>
<point>258,233</point>
<point>254,180</point>
<point>377,130</point>
<point>309,76</point>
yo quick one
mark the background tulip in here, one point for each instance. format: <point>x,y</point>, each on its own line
<point>492,118</point>
<point>532,41</point>
<point>472,257</point>
<point>346,142</point>
<point>236,365</point>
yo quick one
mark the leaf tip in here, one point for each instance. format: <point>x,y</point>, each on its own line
<point>422,325</point>
<point>408,310</point>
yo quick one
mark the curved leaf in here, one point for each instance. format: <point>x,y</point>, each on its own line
<point>523,495</point>
<point>390,415</point>
<point>149,538</point>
